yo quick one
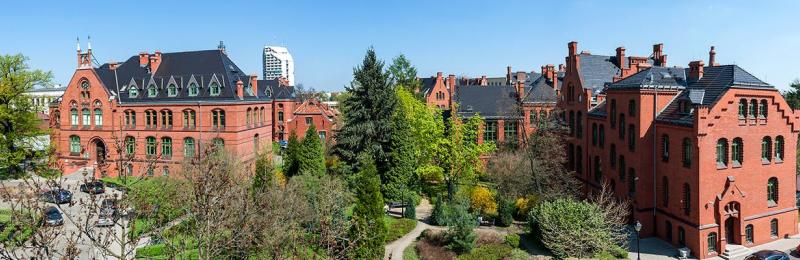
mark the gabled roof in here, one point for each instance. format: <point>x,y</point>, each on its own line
<point>539,90</point>
<point>597,70</point>
<point>489,101</point>
<point>660,77</point>
<point>278,91</point>
<point>180,68</point>
<point>427,84</point>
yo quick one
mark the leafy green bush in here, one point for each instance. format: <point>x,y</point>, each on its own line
<point>506,213</point>
<point>570,228</point>
<point>439,215</point>
<point>490,251</point>
<point>151,251</point>
<point>512,240</point>
<point>619,252</point>
<point>518,254</point>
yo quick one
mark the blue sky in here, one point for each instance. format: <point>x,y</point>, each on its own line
<point>472,38</point>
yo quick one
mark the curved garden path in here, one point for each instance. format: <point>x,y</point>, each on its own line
<point>394,250</point>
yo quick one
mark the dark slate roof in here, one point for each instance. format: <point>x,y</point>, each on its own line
<point>180,68</point>
<point>540,90</point>
<point>660,77</point>
<point>277,91</point>
<point>489,101</point>
<point>427,85</point>
<point>598,110</point>
<point>597,70</point>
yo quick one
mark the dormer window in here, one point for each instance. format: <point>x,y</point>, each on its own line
<point>193,90</point>
<point>685,107</point>
<point>151,91</point>
<point>172,90</point>
<point>214,89</point>
<point>133,92</point>
<point>268,93</point>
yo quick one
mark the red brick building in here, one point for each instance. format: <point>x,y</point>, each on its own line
<point>706,153</point>
<point>511,106</point>
<point>162,106</point>
<point>313,112</point>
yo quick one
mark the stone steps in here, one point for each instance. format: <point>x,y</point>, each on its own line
<point>735,252</point>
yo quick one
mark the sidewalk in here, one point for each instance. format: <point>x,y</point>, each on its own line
<point>655,248</point>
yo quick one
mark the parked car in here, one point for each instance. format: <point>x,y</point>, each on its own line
<point>94,187</point>
<point>57,196</point>
<point>52,217</point>
<point>107,218</point>
<point>768,255</point>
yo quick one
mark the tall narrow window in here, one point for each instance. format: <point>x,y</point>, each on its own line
<point>490,131</point>
<point>130,145</point>
<point>98,117</point>
<point>533,118</point>
<point>722,153</point>
<point>772,192</point>
<point>74,144</point>
<point>742,107</point>
<point>621,126</point>
<point>612,158</point>
<point>752,111</point>
<point>712,242</point>
<point>632,137</point>
<point>632,108</point>
<point>687,152</point>
<point>189,119</point>
<point>579,159</point>
<point>602,134</point>
<point>748,234</point>
<point>766,149</point>
<point>188,147</point>
<point>249,116</point>
<point>668,231</point>
<point>218,118</point>
<point>622,168</point>
<point>214,89</point>
<point>665,191</point>
<point>570,156</point>
<point>73,117</point>
<point>280,116</point>
<point>687,205</point>
<point>773,228</point>
<point>571,123</point>
<point>594,134</point>
<point>779,148</point>
<point>166,118</point>
<point>632,180</point>
<point>150,145</point>
<point>598,170</point>
<point>166,147</point>
<point>510,132</point>
<point>87,117</point>
<point>737,154</point>
<point>681,236</point>
<point>613,114</point>
<point>193,90</point>
<point>762,109</point>
<point>579,125</point>
<point>665,148</point>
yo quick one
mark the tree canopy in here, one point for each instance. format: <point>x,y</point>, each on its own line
<point>402,73</point>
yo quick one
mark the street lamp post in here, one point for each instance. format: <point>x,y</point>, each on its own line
<point>638,228</point>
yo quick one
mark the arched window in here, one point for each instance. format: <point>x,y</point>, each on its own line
<point>594,134</point>
<point>613,114</point>
<point>74,144</point>
<point>57,117</point>
<point>256,147</point>
<point>150,143</point>
<point>712,242</point>
<point>87,117</point>
<point>219,143</point>
<point>622,168</point>
<point>779,148</point>
<point>150,118</point>
<point>189,118</point>
<point>280,116</point>
<point>766,149</point>
<point>665,191</point>
<point>681,236</point>
<point>130,118</point>
<point>151,91</point>
<point>762,109</point>
<point>130,145</point>
<point>752,111</point>
<point>193,89</point>
<point>602,134</point>
<point>249,116</point>
<point>188,147</point>
<point>665,148</point>
<point>772,192</point>
<point>737,154</point>
<point>98,117</point>
<point>612,158</point>
<point>742,107</point>
<point>632,180</point>
<point>570,155</point>
<point>773,228</point>
<point>262,116</point>
<point>748,234</point>
<point>579,159</point>
<point>632,108</point>
<point>579,125</point>
<point>687,205</point>
<point>668,231</point>
<point>687,152</point>
<point>214,89</point>
<point>172,90</point>
<point>632,137</point>
<point>571,123</point>
<point>166,118</point>
<point>166,147</point>
<point>533,118</point>
<point>73,117</point>
<point>598,170</point>
<point>722,153</point>
<point>133,92</point>
<point>218,118</point>
<point>621,126</point>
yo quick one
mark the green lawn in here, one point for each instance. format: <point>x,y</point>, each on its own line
<point>397,227</point>
<point>14,233</point>
<point>410,253</point>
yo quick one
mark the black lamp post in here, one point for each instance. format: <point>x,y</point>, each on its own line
<point>638,228</point>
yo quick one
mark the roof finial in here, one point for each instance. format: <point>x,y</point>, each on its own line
<point>89,42</point>
<point>78,40</point>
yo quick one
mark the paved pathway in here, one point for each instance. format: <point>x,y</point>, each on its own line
<point>394,250</point>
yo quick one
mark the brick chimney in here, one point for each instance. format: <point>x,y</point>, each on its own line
<point>508,75</point>
<point>521,76</point>
<point>240,89</point>
<point>621,57</point>
<point>712,59</point>
<point>113,65</point>
<point>254,84</point>
<point>155,60</point>
<point>550,72</point>
<point>658,55</point>
<point>521,89</point>
<point>144,59</point>
<point>451,82</point>
<point>695,70</point>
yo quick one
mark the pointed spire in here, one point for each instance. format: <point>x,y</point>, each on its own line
<point>89,42</point>
<point>78,40</point>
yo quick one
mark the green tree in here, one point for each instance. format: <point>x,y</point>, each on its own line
<point>792,95</point>
<point>462,223</point>
<point>19,124</point>
<point>312,154</point>
<point>402,73</point>
<point>368,230</point>
<point>399,179</point>
<point>368,115</point>
<point>265,170</point>
<point>458,153</point>
<point>291,159</point>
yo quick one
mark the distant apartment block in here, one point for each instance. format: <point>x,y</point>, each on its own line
<point>278,62</point>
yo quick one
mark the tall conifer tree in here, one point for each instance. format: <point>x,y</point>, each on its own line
<point>312,154</point>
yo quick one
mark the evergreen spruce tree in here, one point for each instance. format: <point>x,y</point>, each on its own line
<point>291,164</point>
<point>312,154</point>
<point>368,230</point>
<point>398,180</point>
<point>367,120</point>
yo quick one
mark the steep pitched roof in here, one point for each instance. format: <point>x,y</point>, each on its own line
<point>539,90</point>
<point>597,70</point>
<point>489,101</point>
<point>660,77</point>
<point>427,84</point>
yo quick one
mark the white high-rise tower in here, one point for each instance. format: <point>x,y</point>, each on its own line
<point>278,62</point>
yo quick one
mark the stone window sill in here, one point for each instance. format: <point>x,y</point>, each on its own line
<point>777,161</point>
<point>736,164</point>
<point>721,166</point>
<point>771,204</point>
<point>765,161</point>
